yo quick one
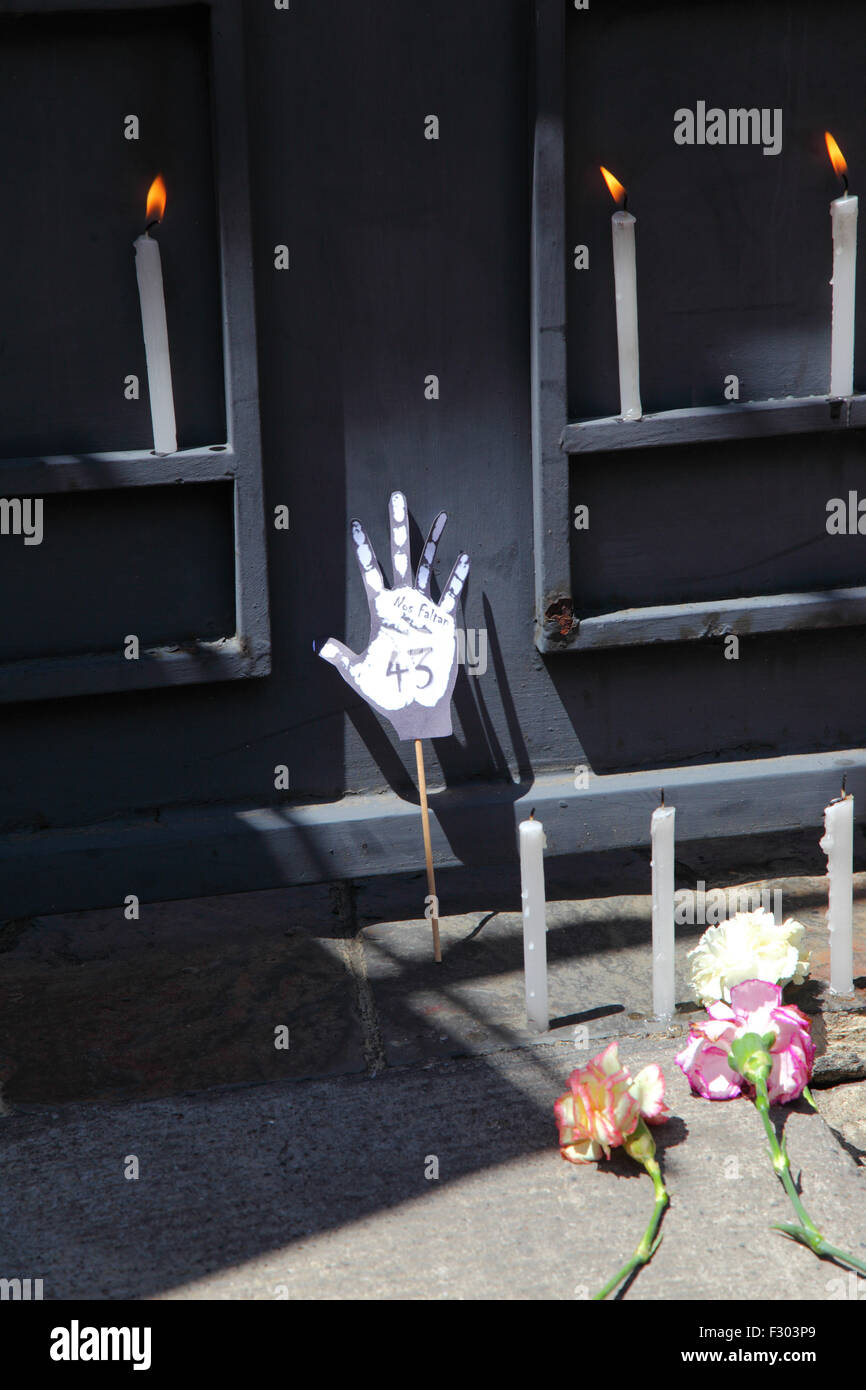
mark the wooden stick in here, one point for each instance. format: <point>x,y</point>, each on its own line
<point>428,849</point>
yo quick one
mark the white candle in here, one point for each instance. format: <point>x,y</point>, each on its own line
<point>662,836</point>
<point>843,212</point>
<point>532,843</point>
<point>625,287</point>
<point>148,270</point>
<point>838,845</point>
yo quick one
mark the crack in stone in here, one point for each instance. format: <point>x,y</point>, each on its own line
<point>352,952</point>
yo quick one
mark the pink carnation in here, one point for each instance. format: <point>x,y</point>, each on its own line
<point>604,1106</point>
<point>756,1007</point>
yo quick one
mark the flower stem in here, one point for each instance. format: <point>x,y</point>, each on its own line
<point>807,1232</point>
<point>648,1244</point>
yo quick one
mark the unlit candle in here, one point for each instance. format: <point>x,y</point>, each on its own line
<point>838,845</point>
<point>662,837</point>
<point>532,843</point>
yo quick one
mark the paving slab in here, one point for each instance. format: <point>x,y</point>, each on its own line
<point>599,976</point>
<point>93,1006</point>
<point>844,1109</point>
<point>96,1007</point>
<point>325,1190</point>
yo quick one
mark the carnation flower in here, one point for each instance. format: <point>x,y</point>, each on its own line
<point>756,1008</point>
<point>604,1106</point>
<point>761,1048</point>
<point>750,946</point>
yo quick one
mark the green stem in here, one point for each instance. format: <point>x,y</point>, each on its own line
<point>648,1244</point>
<point>807,1232</point>
<point>780,1157</point>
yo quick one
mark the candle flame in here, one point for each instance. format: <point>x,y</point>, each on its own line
<point>155,201</point>
<point>616,189</point>
<point>837,158</point>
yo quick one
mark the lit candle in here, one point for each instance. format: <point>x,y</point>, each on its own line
<point>662,836</point>
<point>838,845</point>
<point>532,843</point>
<point>843,211</point>
<point>148,270</point>
<point>625,286</point>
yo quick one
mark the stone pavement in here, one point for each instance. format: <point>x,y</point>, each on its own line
<point>319,1189</point>
<point>308,1172</point>
<point>93,1007</point>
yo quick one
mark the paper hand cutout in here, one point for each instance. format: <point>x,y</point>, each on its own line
<point>409,667</point>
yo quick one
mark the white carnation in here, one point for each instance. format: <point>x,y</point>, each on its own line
<point>749,946</point>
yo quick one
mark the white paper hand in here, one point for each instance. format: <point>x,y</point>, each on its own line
<point>408,669</point>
